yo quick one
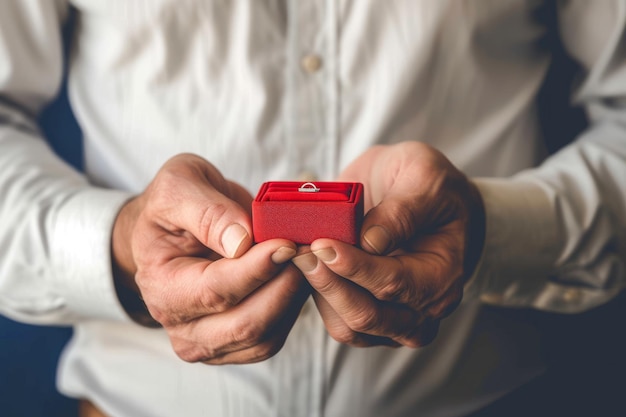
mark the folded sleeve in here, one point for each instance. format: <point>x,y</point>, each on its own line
<point>556,234</point>
<point>55,262</point>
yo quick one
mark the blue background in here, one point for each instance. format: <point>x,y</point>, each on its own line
<point>29,354</point>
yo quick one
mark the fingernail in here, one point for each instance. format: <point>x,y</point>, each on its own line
<point>378,238</point>
<point>305,263</point>
<point>232,239</point>
<point>283,254</point>
<point>326,254</point>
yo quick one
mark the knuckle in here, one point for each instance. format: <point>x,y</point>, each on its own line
<point>351,269</point>
<point>213,303</point>
<point>439,281</point>
<point>157,311</point>
<point>447,304</point>
<point>162,190</point>
<point>188,355</point>
<point>246,333</point>
<point>454,259</point>
<point>265,350</point>
<point>344,336</point>
<point>364,321</point>
<point>160,316</point>
<point>324,286</point>
<point>439,310</point>
<point>396,289</point>
<point>441,265</point>
<point>190,352</point>
<point>160,308</point>
<point>143,278</point>
<point>452,303</point>
<point>214,212</point>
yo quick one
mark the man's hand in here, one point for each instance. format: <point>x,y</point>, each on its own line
<point>421,239</point>
<point>185,246</point>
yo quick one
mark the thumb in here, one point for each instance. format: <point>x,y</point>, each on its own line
<point>391,223</point>
<point>220,223</point>
<point>201,202</point>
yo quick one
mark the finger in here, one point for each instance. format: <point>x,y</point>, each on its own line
<point>185,288</point>
<point>421,335</point>
<point>270,344</point>
<point>418,280</point>
<point>189,194</point>
<point>252,330</point>
<point>387,278</point>
<point>356,306</point>
<point>340,331</point>
<point>392,222</point>
<point>410,185</point>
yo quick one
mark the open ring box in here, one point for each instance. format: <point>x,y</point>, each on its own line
<point>304,212</point>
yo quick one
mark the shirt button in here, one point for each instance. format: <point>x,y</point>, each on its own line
<point>572,295</point>
<point>311,63</point>
<point>307,176</point>
<point>492,298</point>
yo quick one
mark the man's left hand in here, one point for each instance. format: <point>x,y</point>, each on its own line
<point>421,239</point>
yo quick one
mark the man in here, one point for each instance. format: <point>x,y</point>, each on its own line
<point>187,107</point>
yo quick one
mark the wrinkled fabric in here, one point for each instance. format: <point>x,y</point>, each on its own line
<point>288,90</point>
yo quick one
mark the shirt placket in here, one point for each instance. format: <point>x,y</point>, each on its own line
<point>312,110</point>
<point>311,115</point>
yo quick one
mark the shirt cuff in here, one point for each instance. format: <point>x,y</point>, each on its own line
<point>81,253</point>
<point>521,241</point>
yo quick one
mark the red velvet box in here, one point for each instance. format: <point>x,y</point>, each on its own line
<point>303,212</point>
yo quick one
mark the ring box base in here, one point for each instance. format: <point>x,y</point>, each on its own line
<point>302,214</point>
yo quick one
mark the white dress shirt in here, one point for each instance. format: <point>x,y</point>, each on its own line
<point>281,90</point>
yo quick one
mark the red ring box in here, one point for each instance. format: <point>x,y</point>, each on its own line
<point>304,212</point>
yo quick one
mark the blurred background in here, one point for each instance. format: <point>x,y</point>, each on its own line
<point>29,354</point>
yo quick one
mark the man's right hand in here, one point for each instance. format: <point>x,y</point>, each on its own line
<point>185,247</point>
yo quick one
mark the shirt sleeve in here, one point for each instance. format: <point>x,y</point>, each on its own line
<point>556,234</point>
<point>55,262</point>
